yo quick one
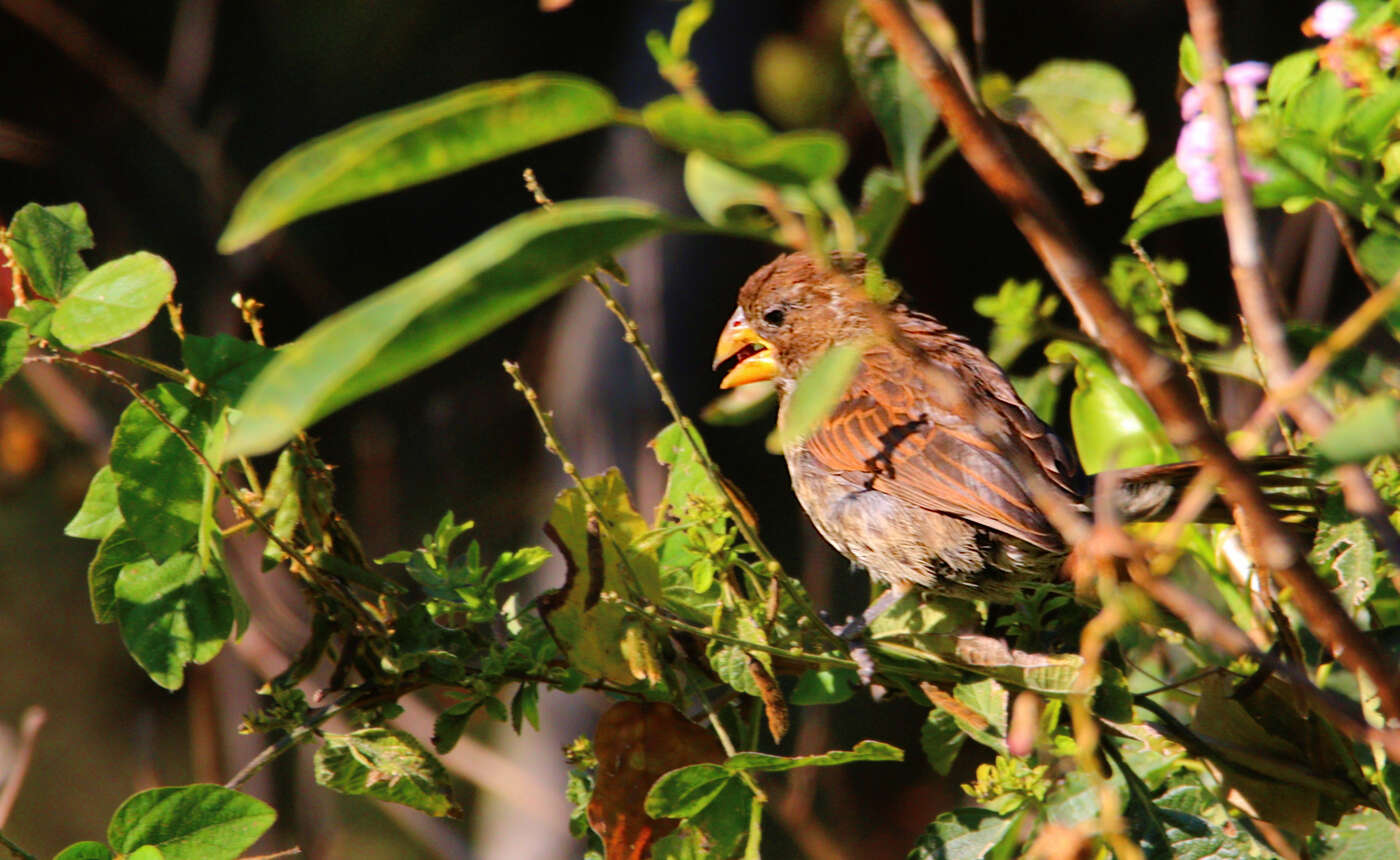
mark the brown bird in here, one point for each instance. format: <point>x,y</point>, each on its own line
<point>922,474</point>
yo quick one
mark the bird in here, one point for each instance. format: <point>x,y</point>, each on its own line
<point>926,473</point>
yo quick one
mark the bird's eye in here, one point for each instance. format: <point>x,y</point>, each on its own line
<point>774,317</point>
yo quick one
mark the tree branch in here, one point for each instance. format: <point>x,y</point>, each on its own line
<point>1066,258</point>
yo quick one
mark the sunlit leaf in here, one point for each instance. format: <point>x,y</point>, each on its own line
<point>46,242</point>
<point>963,834</point>
<point>14,343</point>
<point>113,301</point>
<point>414,144</point>
<point>863,751</point>
<point>1113,426</point>
<point>386,764</point>
<point>99,515</point>
<point>432,313</point>
<point>173,613</point>
<point>818,391</point>
<point>1368,430</point>
<point>193,822</point>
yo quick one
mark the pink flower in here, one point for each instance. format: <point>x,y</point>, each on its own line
<point>1243,79</point>
<point>1195,157</point>
<point>1332,18</point>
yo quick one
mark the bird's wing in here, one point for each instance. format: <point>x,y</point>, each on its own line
<point>933,426</point>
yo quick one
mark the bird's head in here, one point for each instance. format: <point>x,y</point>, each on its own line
<point>790,311</point>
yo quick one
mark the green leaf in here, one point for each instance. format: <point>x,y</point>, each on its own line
<point>1380,256</point>
<point>1113,426</point>
<point>818,390</point>
<point>113,301</point>
<point>1361,836</point>
<point>414,144</point>
<point>37,316</point>
<point>160,482</point>
<point>1367,430</point>
<point>14,343</point>
<point>1344,545</point>
<point>989,700</point>
<point>85,851</point>
<point>1167,200</point>
<point>1319,105</point>
<point>743,141</point>
<point>117,550</point>
<point>883,202</point>
<point>193,822</point>
<point>432,313</point>
<point>226,364</point>
<point>1189,59</point>
<point>46,241</point>
<point>1087,106</point>
<point>173,613</point>
<point>99,515</point>
<point>587,628</point>
<point>1290,73</point>
<point>963,834</point>
<point>863,751</point>
<point>733,200</point>
<point>824,687</point>
<point>685,791</point>
<point>903,113</point>
<point>386,764</point>
<point>942,740</point>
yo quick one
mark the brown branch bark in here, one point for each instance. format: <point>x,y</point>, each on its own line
<point>1166,388</point>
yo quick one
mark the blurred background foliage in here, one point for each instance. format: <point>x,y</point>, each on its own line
<point>156,114</point>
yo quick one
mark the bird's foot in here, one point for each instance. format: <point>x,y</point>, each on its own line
<point>850,633</point>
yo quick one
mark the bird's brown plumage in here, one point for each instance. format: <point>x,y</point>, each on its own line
<point>922,472</point>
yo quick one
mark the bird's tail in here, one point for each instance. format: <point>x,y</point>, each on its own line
<point>1152,493</point>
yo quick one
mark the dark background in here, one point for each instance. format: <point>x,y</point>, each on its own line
<point>155,114</point>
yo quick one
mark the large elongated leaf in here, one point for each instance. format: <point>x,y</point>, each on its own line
<point>818,391</point>
<point>905,116</point>
<point>112,301</point>
<point>432,313</point>
<point>1113,426</point>
<point>192,822</point>
<point>1167,200</point>
<point>416,143</point>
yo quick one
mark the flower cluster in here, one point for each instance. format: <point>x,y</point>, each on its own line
<point>1353,57</point>
<point>1195,148</point>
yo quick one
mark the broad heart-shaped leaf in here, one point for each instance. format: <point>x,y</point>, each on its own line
<point>863,751</point>
<point>745,142</point>
<point>1113,426</point>
<point>432,313</point>
<point>226,364</point>
<point>192,822</point>
<point>964,834</point>
<point>14,343</point>
<point>387,764</point>
<point>117,550</point>
<point>904,114</point>
<point>85,851</point>
<point>414,144</point>
<point>112,301</point>
<point>46,241</point>
<point>160,482</point>
<point>99,515</point>
<point>818,391</point>
<point>601,555</point>
<point>173,613</point>
<point>1087,106</point>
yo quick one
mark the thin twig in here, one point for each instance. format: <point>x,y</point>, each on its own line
<point>1264,383</point>
<point>1348,238</point>
<point>30,722</point>
<point>1169,308</point>
<point>15,850</point>
<point>1070,263</point>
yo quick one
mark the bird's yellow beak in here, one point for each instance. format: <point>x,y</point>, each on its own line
<point>757,358</point>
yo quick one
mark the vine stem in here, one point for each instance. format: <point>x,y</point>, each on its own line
<point>15,850</point>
